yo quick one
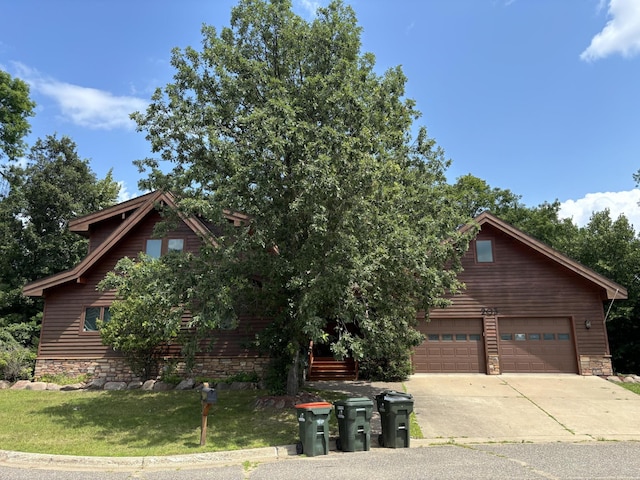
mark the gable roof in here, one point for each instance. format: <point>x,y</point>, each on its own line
<point>137,209</point>
<point>614,291</point>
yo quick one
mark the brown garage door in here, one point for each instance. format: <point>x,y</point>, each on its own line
<point>542,345</point>
<point>451,346</point>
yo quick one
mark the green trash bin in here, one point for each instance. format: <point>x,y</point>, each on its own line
<point>395,408</point>
<point>313,422</point>
<point>354,424</point>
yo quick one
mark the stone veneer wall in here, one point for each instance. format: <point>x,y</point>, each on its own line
<point>493,365</point>
<point>596,365</point>
<point>117,370</point>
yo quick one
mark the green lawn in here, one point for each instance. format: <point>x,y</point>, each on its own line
<point>634,387</point>
<point>137,423</point>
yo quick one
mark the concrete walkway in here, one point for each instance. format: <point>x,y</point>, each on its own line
<point>473,408</point>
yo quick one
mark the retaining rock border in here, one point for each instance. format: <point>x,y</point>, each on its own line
<point>101,384</point>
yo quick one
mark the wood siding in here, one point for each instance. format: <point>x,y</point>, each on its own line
<point>62,336</point>
<point>523,283</point>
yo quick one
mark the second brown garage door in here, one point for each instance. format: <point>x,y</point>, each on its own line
<point>541,345</point>
<point>451,346</point>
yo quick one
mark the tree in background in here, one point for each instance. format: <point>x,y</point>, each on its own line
<point>54,186</point>
<point>286,121</point>
<point>15,108</point>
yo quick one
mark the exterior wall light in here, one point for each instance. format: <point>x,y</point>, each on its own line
<point>587,324</point>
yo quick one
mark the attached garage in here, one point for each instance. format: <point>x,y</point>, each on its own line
<point>451,346</point>
<point>536,345</point>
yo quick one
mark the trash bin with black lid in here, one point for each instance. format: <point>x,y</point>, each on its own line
<point>354,424</point>
<point>313,423</point>
<point>395,409</point>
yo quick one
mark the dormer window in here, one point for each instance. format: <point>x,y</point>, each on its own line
<point>157,247</point>
<point>484,251</point>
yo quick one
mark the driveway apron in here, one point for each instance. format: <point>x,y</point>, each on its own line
<point>523,408</point>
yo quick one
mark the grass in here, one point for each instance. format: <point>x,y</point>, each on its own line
<point>634,387</point>
<point>137,423</point>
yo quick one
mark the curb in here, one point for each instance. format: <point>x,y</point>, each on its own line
<point>196,460</point>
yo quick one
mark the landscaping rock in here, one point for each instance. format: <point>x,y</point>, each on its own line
<point>73,387</point>
<point>136,384</point>
<point>614,378</point>
<point>53,387</point>
<point>148,385</point>
<point>186,384</point>
<point>629,379</point>
<point>162,387</point>
<point>115,386</point>
<point>4,385</point>
<point>36,386</point>
<point>97,383</point>
<point>20,385</point>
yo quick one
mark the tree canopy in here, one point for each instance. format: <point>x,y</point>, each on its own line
<point>15,108</point>
<point>349,224</point>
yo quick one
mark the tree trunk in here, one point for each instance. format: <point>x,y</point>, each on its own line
<point>293,376</point>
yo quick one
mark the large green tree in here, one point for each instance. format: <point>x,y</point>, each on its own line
<point>15,108</point>
<point>348,224</point>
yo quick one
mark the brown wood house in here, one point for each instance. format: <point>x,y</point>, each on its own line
<point>526,308</point>
<point>69,340</point>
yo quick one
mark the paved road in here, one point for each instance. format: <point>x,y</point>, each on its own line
<point>545,461</point>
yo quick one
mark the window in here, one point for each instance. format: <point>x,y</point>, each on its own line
<point>563,336</point>
<point>433,337</point>
<point>447,337</point>
<point>156,247</point>
<point>91,317</point>
<point>549,336</point>
<point>484,251</point>
<point>534,336</point>
<point>461,337</point>
<point>474,337</point>
<point>506,336</point>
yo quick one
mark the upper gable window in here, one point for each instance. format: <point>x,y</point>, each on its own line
<point>155,247</point>
<point>484,251</point>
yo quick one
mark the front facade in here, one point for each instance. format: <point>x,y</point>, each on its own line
<point>526,309</point>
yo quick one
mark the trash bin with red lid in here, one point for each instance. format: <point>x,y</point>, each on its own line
<point>313,422</point>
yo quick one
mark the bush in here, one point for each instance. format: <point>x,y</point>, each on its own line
<point>16,362</point>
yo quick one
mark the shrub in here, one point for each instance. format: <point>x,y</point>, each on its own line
<point>16,362</point>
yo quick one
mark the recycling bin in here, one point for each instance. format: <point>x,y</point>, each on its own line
<point>354,424</point>
<point>395,409</point>
<point>313,423</point>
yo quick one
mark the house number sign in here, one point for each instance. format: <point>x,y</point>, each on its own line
<point>489,311</point>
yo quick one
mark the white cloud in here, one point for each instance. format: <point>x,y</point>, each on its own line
<point>84,106</point>
<point>618,203</point>
<point>310,6</point>
<point>620,35</point>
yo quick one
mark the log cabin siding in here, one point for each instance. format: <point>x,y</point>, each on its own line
<point>523,283</point>
<point>62,330</point>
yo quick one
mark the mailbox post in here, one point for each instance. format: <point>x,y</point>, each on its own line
<point>208,396</point>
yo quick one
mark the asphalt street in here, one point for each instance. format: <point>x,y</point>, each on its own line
<point>545,461</point>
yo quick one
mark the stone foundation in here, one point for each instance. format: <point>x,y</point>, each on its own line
<point>117,370</point>
<point>596,365</point>
<point>493,365</point>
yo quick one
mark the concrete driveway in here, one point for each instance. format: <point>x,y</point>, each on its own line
<point>474,408</point>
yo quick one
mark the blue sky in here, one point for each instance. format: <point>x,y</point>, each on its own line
<point>537,96</point>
